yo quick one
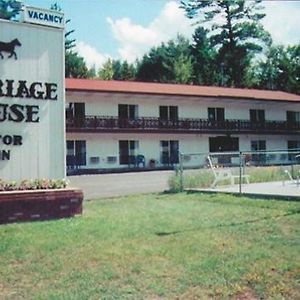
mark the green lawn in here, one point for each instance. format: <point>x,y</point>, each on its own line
<point>170,246</point>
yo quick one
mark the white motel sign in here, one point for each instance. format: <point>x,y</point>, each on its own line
<point>32,131</point>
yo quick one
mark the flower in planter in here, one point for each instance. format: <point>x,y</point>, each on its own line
<point>2,185</point>
<point>58,184</point>
<point>37,184</point>
<point>10,186</point>
<point>26,185</point>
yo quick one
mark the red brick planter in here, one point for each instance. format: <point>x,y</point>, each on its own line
<point>16,206</point>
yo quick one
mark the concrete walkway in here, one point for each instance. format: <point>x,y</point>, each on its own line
<point>115,185</point>
<point>276,189</point>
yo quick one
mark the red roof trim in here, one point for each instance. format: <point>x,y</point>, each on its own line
<point>91,85</point>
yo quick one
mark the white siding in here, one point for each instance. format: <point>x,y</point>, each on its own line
<point>40,59</point>
<point>106,104</point>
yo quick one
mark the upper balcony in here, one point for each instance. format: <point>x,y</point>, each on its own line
<point>157,125</point>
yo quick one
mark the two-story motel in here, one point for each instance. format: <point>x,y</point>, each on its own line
<point>113,124</point>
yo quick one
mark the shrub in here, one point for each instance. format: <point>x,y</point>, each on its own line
<point>7,185</point>
<point>36,184</point>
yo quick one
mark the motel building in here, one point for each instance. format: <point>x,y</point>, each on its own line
<point>114,125</point>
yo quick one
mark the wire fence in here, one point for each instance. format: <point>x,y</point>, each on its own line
<point>273,172</point>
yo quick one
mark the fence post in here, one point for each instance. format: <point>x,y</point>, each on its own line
<point>181,171</point>
<point>240,179</point>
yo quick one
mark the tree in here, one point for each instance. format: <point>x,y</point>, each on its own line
<point>123,70</point>
<point>75,66</point>
<point>91,73</point>
<point>293,62</point>
<point>171,62</point>
<point>281,69</point>
<point>106,72</point>
<point>9,9</point>
<point>117,70</point>
<point>69,42</point>
<point>204,59</point>
<point>235,32</point>
<point>152,66</point>
<point>183,69</point>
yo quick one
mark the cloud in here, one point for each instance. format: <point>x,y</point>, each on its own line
<point>282,21</point>
<point>91,55</point>
<point>135,40</point>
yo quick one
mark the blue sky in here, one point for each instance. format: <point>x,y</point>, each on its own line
<point>125,29</point>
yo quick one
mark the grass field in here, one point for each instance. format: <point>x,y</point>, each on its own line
<point>168,246</point>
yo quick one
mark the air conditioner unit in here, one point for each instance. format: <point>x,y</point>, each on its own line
<point>111,159</point>
<point>94,160</point>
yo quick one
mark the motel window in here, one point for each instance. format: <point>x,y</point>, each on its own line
<point>216,114</point>
<point>259,145</point>
<point>293,116</point>
<point>257,115</point>
<point>76,153</point>
<point>169,152</point>
<point>293,145</point>
<point>168,113</point>
<point>128,150</point>
<point>128,111</point>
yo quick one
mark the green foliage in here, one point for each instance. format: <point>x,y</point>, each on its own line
<point>123,70</point>
<point>153,66</point>
<point>9,9</point>
<point>178,246</point>
<point>69,42</point>
<point>183,69</point>
<point>7,185</point>
<point>171,62</point>
<point>106,72</point>
<point>235,32</point>
<point>281,69</point>
<point>36,184</point>
<point>75,66</point>
<point>205,67</point>
<point>117,70</point>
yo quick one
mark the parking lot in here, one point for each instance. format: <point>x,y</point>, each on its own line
<point>114,185</point>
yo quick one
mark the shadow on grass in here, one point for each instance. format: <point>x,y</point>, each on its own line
<point>294,212</point>
<point>249,195</point>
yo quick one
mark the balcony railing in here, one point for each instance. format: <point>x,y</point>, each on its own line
<point>115,124</point>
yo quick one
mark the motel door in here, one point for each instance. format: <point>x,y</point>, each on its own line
<point>223,144</point>
<point>79,113</point>
<point>76,112</point>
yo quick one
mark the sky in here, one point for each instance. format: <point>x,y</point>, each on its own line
<point>127,29</point>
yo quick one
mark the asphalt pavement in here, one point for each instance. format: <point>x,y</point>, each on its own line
<point>115,185</point>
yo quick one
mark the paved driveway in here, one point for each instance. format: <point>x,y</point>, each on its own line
<point>114,185</point>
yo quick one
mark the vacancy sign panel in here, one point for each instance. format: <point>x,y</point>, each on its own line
<point>32,125</point>
<point>43,17</point>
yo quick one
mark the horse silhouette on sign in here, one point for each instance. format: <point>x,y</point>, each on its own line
<point>9,47</point>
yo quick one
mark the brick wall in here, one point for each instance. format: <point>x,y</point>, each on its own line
<point>20,206</point>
